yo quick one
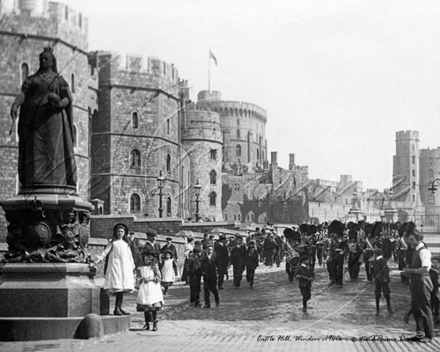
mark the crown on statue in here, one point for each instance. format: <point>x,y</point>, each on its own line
<point>48,49</point>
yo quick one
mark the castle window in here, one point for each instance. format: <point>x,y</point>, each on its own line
<point>413,159</point>
<point>231,112</point>
<point>135,159</point>
<point>164,68</point>
<point>226,112</point>
<point>168,126</point>
<point>169,206</point>
<point>80,21</point>
<point>258,154</point>
<point>431,173</point>
<point>236,112</point>
<point>413,172</point>
<point>431,199</point>
<point>241,112</point>
<point>72,82</point>
<point>238,122</point>
<point>226,217</point>
<point>414,185</point>
<point>213,177</point>
<point>235,217</point>
<point>239,217</point>
<point>212,199</point>
<point>238,150</point>
<point>75,136</point>
<point>24,72</point>
<point>135,203</point>
<point>168,163</point>
<point>238,133</point>
<point>134,120</point>
<point>214,154</point>
<point>66,13</point>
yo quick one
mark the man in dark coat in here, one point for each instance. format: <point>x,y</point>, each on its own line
<point>381,274</point>
<point>270,247</point>
<point>151,245</point>
<point>421,286</point>
<point>193,266</point>
<point>170,247</point>
<point>222,260</point>
<point>209,272</point>
<point>238,260</point>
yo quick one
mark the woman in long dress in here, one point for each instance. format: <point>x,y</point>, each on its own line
<point>46,158</point>
<point>150,297</point>
<point>119,277</point>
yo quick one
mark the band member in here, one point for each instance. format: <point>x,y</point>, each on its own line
<point>320,244</point>
<point>312,244</point>
<point>305,276</point>
<point>354,253</point>
<point>339,251</point>
<point>368,251</point>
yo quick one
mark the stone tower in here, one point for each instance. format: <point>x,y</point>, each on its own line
<point>406,171</point>
<point>136,136</point>
<point>246,127</point>
<point>26,28</point>
<point>203,141</point>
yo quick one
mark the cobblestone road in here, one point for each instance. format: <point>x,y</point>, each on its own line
<point>272,311</point>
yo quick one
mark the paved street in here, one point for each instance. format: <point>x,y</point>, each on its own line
<point>260,319</point>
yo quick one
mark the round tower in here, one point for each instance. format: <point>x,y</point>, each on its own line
<point>247,125</point>
<point>203,141</point>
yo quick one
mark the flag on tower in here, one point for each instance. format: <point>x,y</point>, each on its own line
<point>211,56</point>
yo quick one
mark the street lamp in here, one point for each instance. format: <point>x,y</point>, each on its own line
<point>197,189</point>
<point>161,181</point>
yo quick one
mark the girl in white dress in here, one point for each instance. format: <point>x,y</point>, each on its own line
<point>119,277</point>
<point>150,297</point>
<point>168,269</point>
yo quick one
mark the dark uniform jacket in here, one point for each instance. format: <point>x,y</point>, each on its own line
<point>252,260</point>
<point>381,271</point>
<point>209,267</point>
<point>222,255</point>
<point>307,272</point>
<point>238,255</point>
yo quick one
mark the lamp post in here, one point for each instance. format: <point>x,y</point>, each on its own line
<point>197,189</point>
<point>433,188</point>
<point>161,181</point>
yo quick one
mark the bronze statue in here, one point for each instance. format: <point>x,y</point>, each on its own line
<point>45,129</point>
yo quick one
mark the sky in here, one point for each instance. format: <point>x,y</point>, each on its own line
<point>337,78</point>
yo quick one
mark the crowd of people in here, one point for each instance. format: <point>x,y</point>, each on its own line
<point>337,246</point>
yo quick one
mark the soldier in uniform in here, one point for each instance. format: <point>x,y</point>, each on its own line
<point>354,252</point>
<point>312,245</point>
<point>320,243</point>
<point>340,249</point>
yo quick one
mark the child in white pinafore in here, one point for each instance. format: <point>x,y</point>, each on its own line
<point>150,297</point>
<point>168,268</point>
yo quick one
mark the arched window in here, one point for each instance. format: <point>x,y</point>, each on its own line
<point>135,159</point>
<point>238,133</point>
<point>241,112</point>
<point>213,177</point>
<point>212,199</point>
<point>238,122</point>
<point>134,120</point>
<point>24,72</point>
<point>75,137</point>
<point>168,126</point>
<point>226,112</point>
<point>135,203</point>
<point>72,83</point>
<point>413,172</point>
<point>168,163</point>
<point>236,112</point>
<point>169,206</point>
<point>238,150</point>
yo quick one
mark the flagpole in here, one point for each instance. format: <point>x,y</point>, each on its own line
<point>209,72</point>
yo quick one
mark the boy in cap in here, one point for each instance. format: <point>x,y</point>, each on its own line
<point>209,271</point>
<point>193,267</point>
<point>251,263</point>
<point>381,275</point>
<point>305,275</point>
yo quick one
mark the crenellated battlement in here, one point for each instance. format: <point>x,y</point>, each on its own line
<point>40,19</point>
<point>131,71</point>
<point>406,135</point>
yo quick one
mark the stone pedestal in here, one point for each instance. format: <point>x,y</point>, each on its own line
<point>40,301</point>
